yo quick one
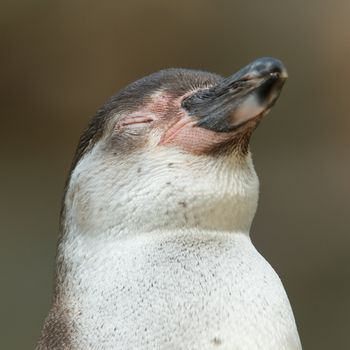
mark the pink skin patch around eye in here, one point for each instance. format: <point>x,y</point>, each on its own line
<point>171,134</point>
<point>191,138</point>
<point>182,132</point>
<point>186,135</point>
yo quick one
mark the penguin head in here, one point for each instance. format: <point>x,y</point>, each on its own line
<point>171,150</point>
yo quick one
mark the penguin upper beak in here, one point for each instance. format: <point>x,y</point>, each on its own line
<point>244,96</point>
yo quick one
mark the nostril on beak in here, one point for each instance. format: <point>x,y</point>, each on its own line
<point>275,75</point>
<point>266,67</point>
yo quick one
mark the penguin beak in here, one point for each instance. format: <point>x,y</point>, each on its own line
<point>245,96</point>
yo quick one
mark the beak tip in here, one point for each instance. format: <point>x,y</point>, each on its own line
<point>270,65</point>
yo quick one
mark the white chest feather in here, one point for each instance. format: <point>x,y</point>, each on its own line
<point>177,290</point>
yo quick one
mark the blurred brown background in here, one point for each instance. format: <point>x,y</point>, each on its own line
<point>61,59</point>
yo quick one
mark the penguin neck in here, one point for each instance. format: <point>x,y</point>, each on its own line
<point>146,195</point>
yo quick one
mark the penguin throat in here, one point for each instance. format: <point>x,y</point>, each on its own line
<point>145,193</point>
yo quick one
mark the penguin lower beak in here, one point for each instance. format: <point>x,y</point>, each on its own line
<point>246,95</point>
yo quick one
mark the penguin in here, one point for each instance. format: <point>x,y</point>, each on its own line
<point>154,249</point>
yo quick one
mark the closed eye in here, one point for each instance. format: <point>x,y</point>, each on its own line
<point>135,121</point>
